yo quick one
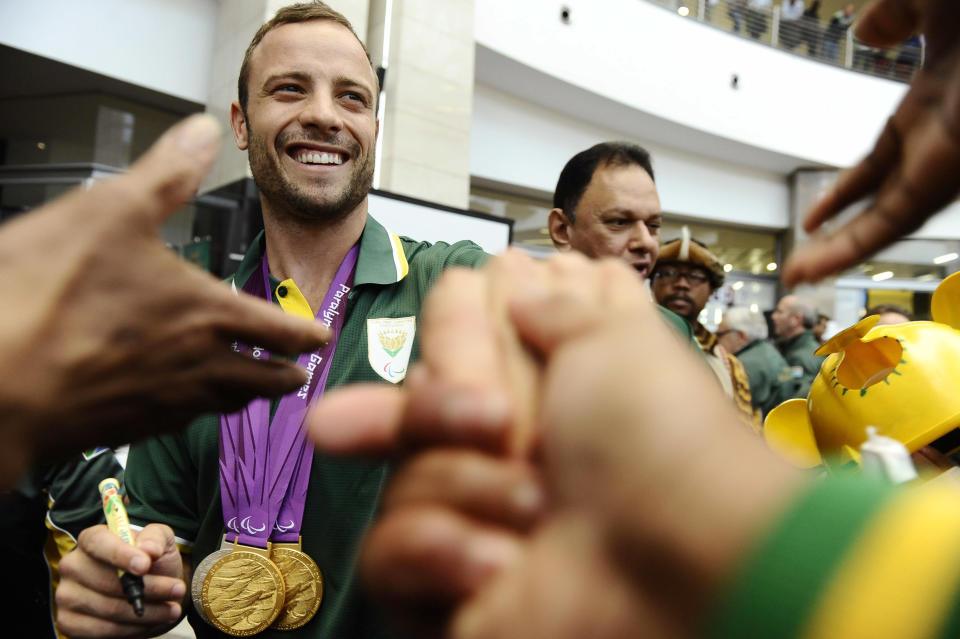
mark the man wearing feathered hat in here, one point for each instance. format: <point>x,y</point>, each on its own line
<point>685,276</point>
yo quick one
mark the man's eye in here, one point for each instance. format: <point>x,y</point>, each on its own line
<point>355,97</point>
<point>288,88</point>
<point>620,223</point>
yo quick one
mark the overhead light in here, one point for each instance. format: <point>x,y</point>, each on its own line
<point>683,11</point>
<point>727,268</point>
<point>885,275</point>
<point>943,259</point>
<point>754,308</point>
<point>736,286</point>
<point>43,145</point>
<point>927,277</point>
<point>772,266</point>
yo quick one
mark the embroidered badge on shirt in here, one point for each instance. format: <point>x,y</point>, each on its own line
<point>90,453</point>
<point>389,344</point>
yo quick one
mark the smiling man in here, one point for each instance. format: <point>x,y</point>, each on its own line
<point>606,205</point>
<point>242,494</point>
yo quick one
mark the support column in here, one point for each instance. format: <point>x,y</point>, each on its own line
<point>807,186</point>
<point>428,97</point>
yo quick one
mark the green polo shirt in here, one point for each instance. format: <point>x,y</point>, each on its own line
<point>174,479</point>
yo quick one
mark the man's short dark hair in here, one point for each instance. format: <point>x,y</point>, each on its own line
<point>578,172</point>
<point>880,309</point>
<point>292,14</point>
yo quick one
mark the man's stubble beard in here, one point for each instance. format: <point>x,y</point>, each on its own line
<point>286,196</point>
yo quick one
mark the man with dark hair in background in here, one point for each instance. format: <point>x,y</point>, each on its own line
<point>890,314</point>
<point>820,327</point>
<point>685,277</point>
<point>793,322</point>
<point>606,205</point>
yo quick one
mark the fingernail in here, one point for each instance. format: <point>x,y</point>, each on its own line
<point>179,589</point>
<point>199,132</point>
<point>488,410</point>
<point>528,498</point>
<point>175,611</point>
<point>139,564</point>
<point>491,553</point>
<point>530,290</point>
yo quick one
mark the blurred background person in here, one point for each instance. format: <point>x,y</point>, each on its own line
<point>890,314</point>
<point>684,278</point>
<point>837,30</point>
<point>793,322</point>
<point>744,333</point>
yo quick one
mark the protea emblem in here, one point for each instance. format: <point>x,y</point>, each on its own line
<point>389,345</point>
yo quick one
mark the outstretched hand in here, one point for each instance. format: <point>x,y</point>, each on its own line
<point>108,336</point>
<point>911,173</point>
<point>632,481</point>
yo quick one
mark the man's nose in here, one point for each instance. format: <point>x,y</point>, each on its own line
<point>320,111</point>
<point>641,239</point>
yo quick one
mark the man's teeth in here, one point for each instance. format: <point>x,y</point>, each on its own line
<point>312,157</point>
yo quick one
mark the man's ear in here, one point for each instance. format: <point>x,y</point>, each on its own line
<point>560,228</point>
<point>238,122</point>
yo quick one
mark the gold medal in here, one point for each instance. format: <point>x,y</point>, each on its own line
<point>304,585</point>
<point>242,591</point>
<point>200,574</point>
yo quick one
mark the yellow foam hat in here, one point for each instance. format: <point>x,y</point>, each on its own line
<point>902,378</point>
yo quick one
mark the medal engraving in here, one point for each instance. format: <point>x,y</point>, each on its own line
<point>242,592</point>
<point>304,585</point>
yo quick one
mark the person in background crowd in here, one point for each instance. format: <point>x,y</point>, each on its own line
<point>606,204</point>
<point>890,314</point>
<point>793,320</point>
<point>811,31</point>
<point>736,9</point>
<point>836,30</point>
<point>791,14</point>
<point>684,278</point>
<point>820,327</point>
<point>909,58</point>
<point>757,16</point>
<point>744,333</point>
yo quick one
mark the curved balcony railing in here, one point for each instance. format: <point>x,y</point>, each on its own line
<point>801,30</point>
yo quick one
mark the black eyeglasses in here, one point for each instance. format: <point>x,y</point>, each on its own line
<point>671,274</point>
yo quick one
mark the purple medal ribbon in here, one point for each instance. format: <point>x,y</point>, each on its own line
<point>265,465</point>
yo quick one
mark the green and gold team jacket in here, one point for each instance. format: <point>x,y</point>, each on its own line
<point>175,480</point>
<point>852,559</point>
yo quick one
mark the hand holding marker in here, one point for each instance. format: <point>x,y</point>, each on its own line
<point>118,523</point>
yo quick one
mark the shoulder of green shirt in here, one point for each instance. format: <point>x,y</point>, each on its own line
<point>851,558</point>
<point>679,324</point>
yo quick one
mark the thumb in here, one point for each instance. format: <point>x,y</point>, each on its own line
<point>168,174</point>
